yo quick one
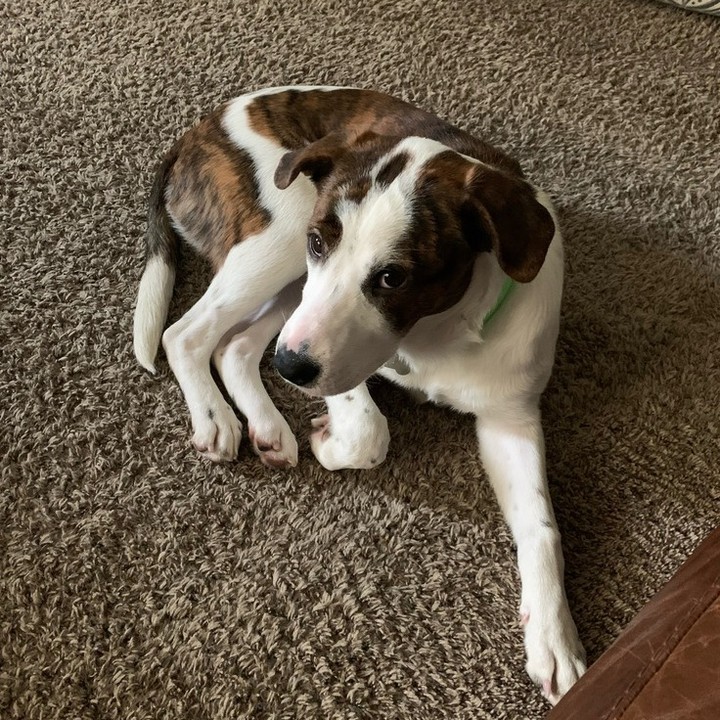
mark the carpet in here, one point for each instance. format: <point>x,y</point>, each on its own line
<point>139,581</point>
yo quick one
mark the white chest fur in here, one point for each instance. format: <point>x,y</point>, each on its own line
<point>453,360</point>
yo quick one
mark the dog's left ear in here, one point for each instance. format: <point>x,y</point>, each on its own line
<point>315,160</point>
<point>501,213</point>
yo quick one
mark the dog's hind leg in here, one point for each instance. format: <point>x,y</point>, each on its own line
<point>253,273</point>
<point>237,360</point>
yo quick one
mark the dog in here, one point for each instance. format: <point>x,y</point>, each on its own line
<point>375,238</point>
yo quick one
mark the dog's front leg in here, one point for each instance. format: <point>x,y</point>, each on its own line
<point>254,272</point>
<point>353,433</point>
<point>237,359</point>
<point>513,453</point>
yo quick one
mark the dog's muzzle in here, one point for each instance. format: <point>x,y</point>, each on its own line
<point>298,368</point>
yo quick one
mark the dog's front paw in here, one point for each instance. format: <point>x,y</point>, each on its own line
<point>359,446</point>
<point>555,655</point>
<point>274,442</point>
<point>217,433</point>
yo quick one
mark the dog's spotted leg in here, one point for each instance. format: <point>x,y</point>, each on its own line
<point>254,272</point>
<point>237,360</point>
<point>353,433</point>
<point>512,449</point>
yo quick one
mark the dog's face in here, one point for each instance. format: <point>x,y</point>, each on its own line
<point>393,238</point>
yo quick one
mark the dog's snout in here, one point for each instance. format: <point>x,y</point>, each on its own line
<point>298,368</point>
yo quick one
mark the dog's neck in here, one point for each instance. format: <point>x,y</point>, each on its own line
<point>463,323</point>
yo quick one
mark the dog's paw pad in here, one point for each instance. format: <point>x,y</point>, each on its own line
<point>217,434</point>
<point>321,428</point>
<point>274,443</point>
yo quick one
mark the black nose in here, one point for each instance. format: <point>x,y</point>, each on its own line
<point>298,368</point>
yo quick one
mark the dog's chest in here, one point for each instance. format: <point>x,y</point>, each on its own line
<point>468,381</point>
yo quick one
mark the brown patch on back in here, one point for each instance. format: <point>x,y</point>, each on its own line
<point>212,194</point>
<point>295,118</point>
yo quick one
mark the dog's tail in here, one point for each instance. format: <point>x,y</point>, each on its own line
<point>162,248</point>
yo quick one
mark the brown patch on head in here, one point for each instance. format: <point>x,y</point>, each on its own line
<point>358,189</point>
<point>496,210</point>
<point>391,169</point>
<point>341,171</point>
<point>212,193</point>
<point>433,252</point>
<point>330,229</point>
<point>461,208</point>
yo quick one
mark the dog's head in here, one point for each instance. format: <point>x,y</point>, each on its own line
<point>393,238</point>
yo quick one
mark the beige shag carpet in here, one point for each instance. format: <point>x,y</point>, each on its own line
<point>138,581</point>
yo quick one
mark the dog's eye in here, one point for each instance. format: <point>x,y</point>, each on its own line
<point>316,246</point>
<point>391,278</point>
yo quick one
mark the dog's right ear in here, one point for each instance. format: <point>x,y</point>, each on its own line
<point>316,160</point>
<point>502,212</point>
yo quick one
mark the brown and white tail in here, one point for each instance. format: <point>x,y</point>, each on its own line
<point>162,247</point>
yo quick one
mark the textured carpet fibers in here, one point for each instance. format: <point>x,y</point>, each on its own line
<point>139,581</point>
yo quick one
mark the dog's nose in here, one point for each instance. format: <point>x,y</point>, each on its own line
<point>298,368</point>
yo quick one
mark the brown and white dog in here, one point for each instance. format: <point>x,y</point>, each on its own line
<point>429,259</point>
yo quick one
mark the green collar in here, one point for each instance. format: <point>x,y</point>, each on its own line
<point>508,285</point>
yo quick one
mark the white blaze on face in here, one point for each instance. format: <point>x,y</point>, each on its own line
<point>336,323</point>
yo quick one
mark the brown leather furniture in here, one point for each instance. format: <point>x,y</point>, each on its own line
<point>666,664</point>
